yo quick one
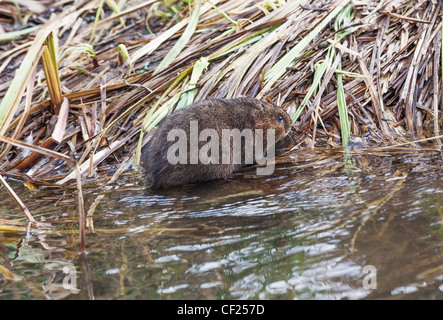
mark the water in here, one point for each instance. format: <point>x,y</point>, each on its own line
<point>322,227</point>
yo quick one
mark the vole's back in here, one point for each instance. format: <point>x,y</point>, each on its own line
<point>215,114</point>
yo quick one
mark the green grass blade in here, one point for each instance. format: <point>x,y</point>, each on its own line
<point>123,52</point>
<point>188,97</point>
<point>8,36</point>
<point>11,99</point>
<point>154,44</point>
<point>342,109</point>
<point>223,14</point>
<point>183,41</point>
<point>162,112</point>
<point>116,8</point>
<point>50,68</point>
<point>279,69</point>
<point>319,71</point>
<point>97,17</point>
<point>345,17</point>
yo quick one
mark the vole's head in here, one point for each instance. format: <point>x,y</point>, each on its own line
<point>270,116</point>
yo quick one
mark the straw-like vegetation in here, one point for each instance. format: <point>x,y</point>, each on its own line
<point>89,79</point>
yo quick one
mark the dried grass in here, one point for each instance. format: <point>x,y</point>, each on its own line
<point>346,69</point>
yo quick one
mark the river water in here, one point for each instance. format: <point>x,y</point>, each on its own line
<point>323,226</point>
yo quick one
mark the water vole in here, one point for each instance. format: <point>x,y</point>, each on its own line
<point>211,139</point>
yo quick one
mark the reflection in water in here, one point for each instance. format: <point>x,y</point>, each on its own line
<point>307,232</point>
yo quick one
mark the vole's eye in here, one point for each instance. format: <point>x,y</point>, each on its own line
<point>280,118</point>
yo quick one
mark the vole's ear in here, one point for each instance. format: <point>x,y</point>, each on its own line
<point>280,107</point>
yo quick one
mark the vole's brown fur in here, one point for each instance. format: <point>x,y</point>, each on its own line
<point>240,113</point>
